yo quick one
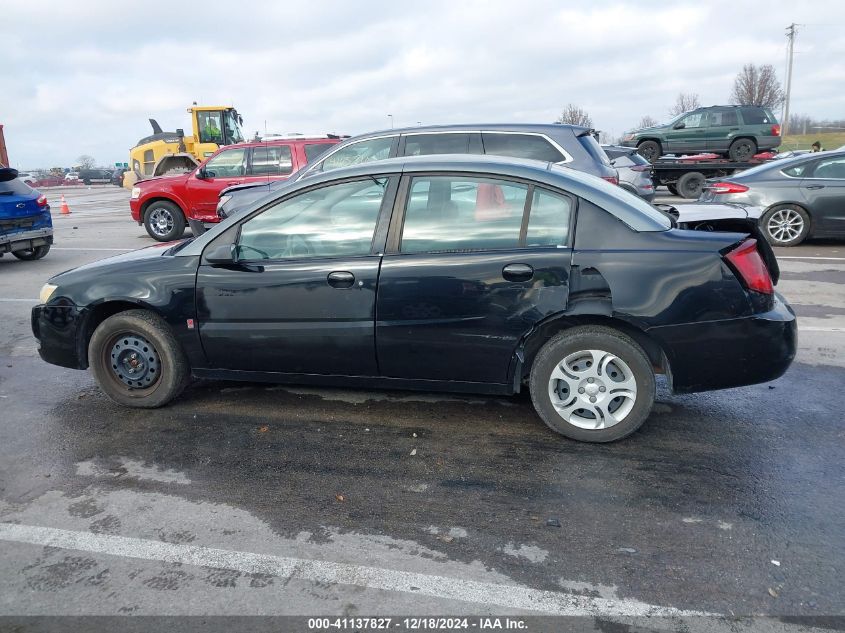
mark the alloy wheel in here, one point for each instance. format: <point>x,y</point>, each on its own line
<point>161,221</point>
<point>593,389</point>
<point>785,225</point>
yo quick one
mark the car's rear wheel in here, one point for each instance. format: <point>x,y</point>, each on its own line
<point>672,189</point>
<point>650,150</point>
<point>689,185</point>
<point>33,253</point>
<point>164,221</point>
<point>742,150</point>
<point>785,225</point>
<point>593,384</point>
<point>137,360</point>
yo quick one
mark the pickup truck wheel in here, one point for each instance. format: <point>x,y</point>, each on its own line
<point>742,150</point>
<point>33,253</point>
<point>593,384</point>
<point>164,221</point>
<point>785,225</point>
<point>689,185</point>
<point>137,360</point>
<point>650,150</point>
<point>672,189</point>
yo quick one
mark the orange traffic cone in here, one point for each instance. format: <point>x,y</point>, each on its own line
<point>65,208</point>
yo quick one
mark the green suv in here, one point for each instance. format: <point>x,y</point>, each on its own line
<point>737,132</point>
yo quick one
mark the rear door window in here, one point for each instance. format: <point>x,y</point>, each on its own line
<point>755,116</point>
<point>723,117</point>
<point>358,153</point>
<point>550,219</point>
<point>444,143</point>
<point>461,213</point>
<point>520,145</point>
<point>271,160</point>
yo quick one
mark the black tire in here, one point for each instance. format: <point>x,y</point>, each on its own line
<point>164,221</point>
<point>690,184</point>
<point>672,189</point>
<point>86,182</point>
<point>147,335</point>
<point>785,225</point>
<point>742,150</point>
<point>566,345</point>
<point>32,254</point>
<point>650,150</point>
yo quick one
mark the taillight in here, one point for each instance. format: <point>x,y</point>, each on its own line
<point>613,180</point>
<point>775,130</point>
<point>42,200</point>
<point>746,261</point>
<point>727,187</point>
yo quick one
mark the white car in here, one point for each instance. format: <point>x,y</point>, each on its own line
<point>71,176</point>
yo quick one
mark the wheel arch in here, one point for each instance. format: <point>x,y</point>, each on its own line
<point>96,314</point>
<point>159,197</point>
<point>592,312</point>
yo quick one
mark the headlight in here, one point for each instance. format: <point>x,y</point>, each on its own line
<point>136,193</point>
<point>47,291</point>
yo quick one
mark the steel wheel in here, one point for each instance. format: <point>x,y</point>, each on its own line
<point>593,389</point>
<point>161,221</point>
<point>785,225</point>
<point>135,363</point>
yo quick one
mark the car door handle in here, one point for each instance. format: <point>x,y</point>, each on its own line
<point>734,129</point>
<point>814,187</point>
<point>517,272</point>
<point>341,279</point>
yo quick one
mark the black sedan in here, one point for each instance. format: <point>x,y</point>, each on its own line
<point>459,273</point>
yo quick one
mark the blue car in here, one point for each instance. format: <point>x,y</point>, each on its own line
<point>26,228</point>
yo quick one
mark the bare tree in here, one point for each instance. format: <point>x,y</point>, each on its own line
<point>574,115</point>
<point>86,162</point>
<point>647,121</point>
<point>757,85</point>
<point>685,102</point>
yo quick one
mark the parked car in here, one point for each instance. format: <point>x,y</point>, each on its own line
<point>165,204</point>
<point>569,145</point>
<point>49,180</point>
<point>71,178</point>
<point>738,132</point>
<point>802,196</point>
<point>473,274</point>
<point>634,170</point>
<point>117,176</point>
<point>26,226</point>
<point>95,176</point>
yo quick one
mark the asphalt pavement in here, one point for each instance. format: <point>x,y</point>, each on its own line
<point>248,499</point>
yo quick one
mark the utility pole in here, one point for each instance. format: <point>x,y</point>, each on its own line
<point>790,34</point>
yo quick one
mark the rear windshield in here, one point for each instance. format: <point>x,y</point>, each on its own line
<point>591,145</point>
<point>14,187</point>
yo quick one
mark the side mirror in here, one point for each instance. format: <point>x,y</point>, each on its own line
<point>223,255</point>
<point>680,126</point>
<point>201,174</point>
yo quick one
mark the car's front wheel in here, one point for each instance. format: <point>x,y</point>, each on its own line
<point>785,225</point>
<point>593,384</point>
<point>164,221</point>
<point>137,360</point>
<point>32,253</point>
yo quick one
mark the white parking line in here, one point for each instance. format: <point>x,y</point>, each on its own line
<point>19,300</point>
<point>447,588</point>
<point>75,248</point>
<point>835,259</point>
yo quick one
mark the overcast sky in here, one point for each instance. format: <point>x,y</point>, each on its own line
<point>83,77</point>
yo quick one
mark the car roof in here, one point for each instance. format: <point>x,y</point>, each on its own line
<point>537,128</point>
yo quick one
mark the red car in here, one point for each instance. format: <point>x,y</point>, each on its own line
<point>164,204</point>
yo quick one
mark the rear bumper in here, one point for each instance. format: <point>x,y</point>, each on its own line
<point>56,326</point>
<point>730,353</point>
<point>25,240</point>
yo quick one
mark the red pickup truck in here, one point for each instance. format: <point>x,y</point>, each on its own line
<point>164,204</point>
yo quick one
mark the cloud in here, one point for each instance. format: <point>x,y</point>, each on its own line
<point>95,72</point>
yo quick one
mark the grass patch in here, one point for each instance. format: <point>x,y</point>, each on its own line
<point>829,140</point>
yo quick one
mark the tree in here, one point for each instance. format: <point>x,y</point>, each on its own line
<point>647,121</point>
<point>86,162</point>
<point>574,115</point>
<point>757,85</point>
<point>685,102</point>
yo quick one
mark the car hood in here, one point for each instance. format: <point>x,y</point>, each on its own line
<point>141,255</point>
<point>162,179</point>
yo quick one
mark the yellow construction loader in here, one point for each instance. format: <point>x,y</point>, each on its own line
<point>175,152</point>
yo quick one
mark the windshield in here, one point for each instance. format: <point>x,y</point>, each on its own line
<point>232,126</point>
